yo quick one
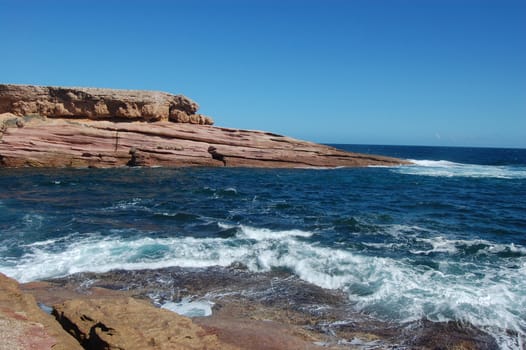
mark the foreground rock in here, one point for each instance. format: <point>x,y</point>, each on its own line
<point>23,325</point>
<point>130,324</point>
<point>98,104</point>
<point>79,127</point>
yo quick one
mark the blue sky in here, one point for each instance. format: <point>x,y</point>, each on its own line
<point>424,72</point>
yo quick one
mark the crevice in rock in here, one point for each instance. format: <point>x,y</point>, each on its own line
<point>138,158</point>
<point>116,140</point>
<point>133,159</point>
<point>216,155</point>
<point>95,342</point>
<point>71,328</point>
<point>113,119</point>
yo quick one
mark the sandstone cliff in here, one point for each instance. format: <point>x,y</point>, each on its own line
<point>99,104</point>
<point>66,127</point>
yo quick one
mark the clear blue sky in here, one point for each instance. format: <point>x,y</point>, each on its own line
<point>427,72</point>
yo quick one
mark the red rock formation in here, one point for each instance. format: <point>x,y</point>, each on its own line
<point>65,143</point>
<point>24,326</point>
<point>64,127</point>
<point>128,323</point>
<point>99,104</point>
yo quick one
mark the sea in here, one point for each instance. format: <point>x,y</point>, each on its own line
<point>442,239</point>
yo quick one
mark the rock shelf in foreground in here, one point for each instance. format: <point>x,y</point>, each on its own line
<point>79,127</point>
<point>23,325</point>
<point>257,311</point>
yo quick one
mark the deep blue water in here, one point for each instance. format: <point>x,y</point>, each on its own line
<point>443,239</point>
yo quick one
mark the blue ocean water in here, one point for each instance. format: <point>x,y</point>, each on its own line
<point>443,239</point>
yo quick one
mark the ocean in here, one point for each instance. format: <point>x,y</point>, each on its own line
<point>443,239</point>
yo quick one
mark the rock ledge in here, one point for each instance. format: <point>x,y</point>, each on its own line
<point>103,128</point>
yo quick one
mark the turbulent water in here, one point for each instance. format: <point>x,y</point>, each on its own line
<point>443,239</point>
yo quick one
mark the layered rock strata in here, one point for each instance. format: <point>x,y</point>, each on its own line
<point>44,142</point>
<point>79,127</point>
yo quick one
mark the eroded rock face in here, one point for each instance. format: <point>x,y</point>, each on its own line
<point>130,324</point>
<point>99,104</point>
<point>42,142</point>
<point>91,127</point>
<point>23,325</point>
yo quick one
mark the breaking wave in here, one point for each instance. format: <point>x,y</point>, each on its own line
<point>444,168</point>
<point>490,295</point>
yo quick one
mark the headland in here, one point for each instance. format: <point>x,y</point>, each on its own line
<point>104,128</point>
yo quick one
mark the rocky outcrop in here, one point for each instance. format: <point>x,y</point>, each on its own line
<point>43,142</point>
<point>130,324</point>
<point>23,325</point>
<point>80,127</point>
<point>99,104</point>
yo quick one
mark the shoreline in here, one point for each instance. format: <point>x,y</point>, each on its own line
<point>103,128</point>
<point>271,310</point>
<point>388,263</point>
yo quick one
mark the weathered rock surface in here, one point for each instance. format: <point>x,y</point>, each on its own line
<point>43,142</point>
<point>98,104</point>
<point>130,324</point>
<point>88,127</point>
<point>23,325</point>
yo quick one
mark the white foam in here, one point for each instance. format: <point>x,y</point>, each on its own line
<point>444,168</point>
<point>260,234</point>
<point>47,242</point>
<point>103,254</point>
<point>230,190</point>
<point>440,244</point>
<point>190,308</point>
<point>127,204</point>
<point>435,163</point>
<point>263,233</point>
<point>489,296</point>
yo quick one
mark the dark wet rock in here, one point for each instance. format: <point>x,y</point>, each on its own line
<point>448,335</point>
<point>321,315</point>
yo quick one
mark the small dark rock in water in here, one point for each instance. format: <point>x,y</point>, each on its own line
<point>449,335</point>
<point>283,297</point>
<point>236,265</point>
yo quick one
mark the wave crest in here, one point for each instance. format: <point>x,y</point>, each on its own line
<point>396,289</point>
<point>444,168</point>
